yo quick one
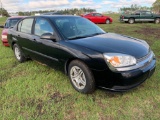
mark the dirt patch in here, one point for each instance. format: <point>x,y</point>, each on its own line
<point>57,97</point>
<point>150,31</point>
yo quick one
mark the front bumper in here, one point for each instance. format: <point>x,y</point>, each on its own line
<point>123,81</point>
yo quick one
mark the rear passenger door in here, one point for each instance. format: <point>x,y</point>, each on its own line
<point>24,35</point>
<point>146,16</point>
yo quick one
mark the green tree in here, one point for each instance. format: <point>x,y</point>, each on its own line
<point>4,12</point>
<point>156,6</point>
<point>21,13</point>
<point>133,8</point>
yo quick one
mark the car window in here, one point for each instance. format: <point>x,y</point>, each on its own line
<point>26,25</point>
<point>148,13</point>
<point>73,27</point>
<point>96,14</point>
<point>7,24</point>
<point>143,13</point>
<point>19,26</point>
<point>87,15</point>
<point>137,13</point>
<point>11,22</point>
<point>42,26</point>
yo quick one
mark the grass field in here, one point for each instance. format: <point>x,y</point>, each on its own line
<point>32,91</point>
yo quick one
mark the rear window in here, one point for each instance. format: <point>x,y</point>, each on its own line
<point>11,22</point>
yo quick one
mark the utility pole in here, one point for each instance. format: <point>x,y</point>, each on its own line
<point>1,7</point>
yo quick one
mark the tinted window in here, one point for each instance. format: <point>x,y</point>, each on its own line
<point>26,26</point>
<point>96,14</point>
<point>11,22</point>
<point>137,13</point>
<point>42,26</point>
<point>19,26</point>
<point>148,13</point>
<point>72,27</point>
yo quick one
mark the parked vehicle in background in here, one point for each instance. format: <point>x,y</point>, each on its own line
<point>90,56</point>
<point>140,16</point>
<point>98,18</point>
<point>10,22</point>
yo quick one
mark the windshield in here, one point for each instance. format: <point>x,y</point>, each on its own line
<point>76,27</point>
<point>11,22</point>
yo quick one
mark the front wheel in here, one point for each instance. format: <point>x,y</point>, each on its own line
<point>107,21</point>
<point>18,53</point>
<point>131,21</point>
<point>81,77</point>
<point>157,20</point>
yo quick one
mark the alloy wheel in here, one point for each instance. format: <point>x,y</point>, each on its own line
<point>107,21</point>
<point>78,77</point>
<point>17,53</point>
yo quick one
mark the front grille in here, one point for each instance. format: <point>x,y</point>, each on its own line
<point>146,60</point>
<point>145,57</point>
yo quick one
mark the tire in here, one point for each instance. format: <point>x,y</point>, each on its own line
<point>131,21</point>
<point>157,20</point>
<point>107,21</point>
<point>81,77</point>
<point>18,53</point>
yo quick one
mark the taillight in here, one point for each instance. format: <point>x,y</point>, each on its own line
<point>4,36</point>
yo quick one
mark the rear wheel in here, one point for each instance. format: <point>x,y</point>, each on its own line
<point>18,53</point>
<point>107,21</point>
<point>131,21</point>
<point>157,20</point>
<point>81,77</point>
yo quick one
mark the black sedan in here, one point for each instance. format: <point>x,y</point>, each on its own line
<point>90,56</point>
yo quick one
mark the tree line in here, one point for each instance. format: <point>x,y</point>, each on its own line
<point>65,11</point>
<point>155,8</point>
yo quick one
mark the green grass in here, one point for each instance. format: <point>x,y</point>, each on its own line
<point>32,91</point>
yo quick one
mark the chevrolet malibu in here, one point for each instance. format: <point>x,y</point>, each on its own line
<point>90,56</point>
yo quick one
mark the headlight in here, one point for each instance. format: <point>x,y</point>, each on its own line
<point>119,60</point>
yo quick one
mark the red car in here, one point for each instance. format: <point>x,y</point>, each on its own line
<point>10,22</point>
<point>98,18</point>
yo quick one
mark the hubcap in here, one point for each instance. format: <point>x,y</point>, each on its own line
<point>17,53</point>
<point>107,21</point>
<point>157,21</point>
<point>131,21</point>
<point>78,77</point>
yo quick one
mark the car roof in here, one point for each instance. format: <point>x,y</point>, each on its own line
<point>143,11</point>
<point>52,16</point>
<point>51,13</point>
<point>12,17</point>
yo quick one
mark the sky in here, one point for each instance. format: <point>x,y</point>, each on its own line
<point>100,5</point>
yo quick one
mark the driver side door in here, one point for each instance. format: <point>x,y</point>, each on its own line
<point>47,50</point>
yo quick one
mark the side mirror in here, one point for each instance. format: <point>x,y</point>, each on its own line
<point>1,26</point>
<point>48,36</point>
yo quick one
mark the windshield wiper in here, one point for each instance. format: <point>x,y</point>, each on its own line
<point>97,34</point>
<point>77,37</point>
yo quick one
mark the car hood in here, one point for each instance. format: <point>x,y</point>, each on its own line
<point>114,43</point>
